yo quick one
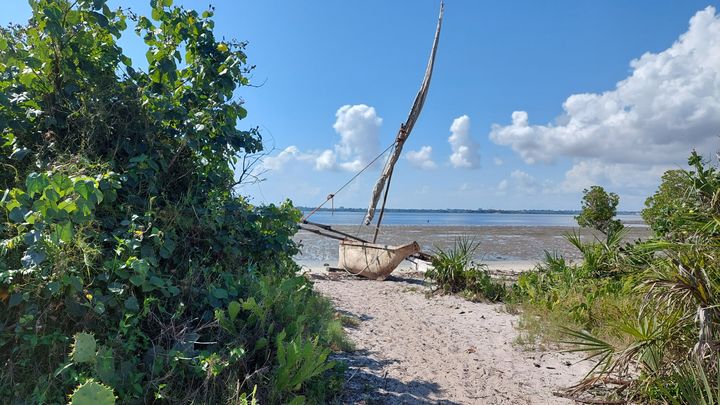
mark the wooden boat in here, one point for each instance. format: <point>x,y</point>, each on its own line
<point>373,260</point>
<point>362,257</point>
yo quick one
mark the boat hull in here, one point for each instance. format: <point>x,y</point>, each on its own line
<point>372,260</point>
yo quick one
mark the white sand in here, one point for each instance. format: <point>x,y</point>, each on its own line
<point>442,349</point>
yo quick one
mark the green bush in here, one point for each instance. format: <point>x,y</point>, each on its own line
<point>648,312</point>
<point>453,271</point>
<point>598,210</point>
<point>571,296</point>
<point>120,221</point>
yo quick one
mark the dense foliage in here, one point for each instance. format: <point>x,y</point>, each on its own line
<point>598,210</point>
<point>650,316</point>
<point>119,220</point>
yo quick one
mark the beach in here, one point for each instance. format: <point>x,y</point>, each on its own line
<point>415,348</point>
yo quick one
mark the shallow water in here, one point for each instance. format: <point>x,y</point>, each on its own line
<point>505,242</point>
<point>434,218</point>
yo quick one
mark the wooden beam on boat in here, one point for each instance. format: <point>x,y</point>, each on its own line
<point>328,228</point>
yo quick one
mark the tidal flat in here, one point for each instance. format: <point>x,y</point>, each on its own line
<point>497,243</point>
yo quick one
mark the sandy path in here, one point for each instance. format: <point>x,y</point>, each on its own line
<point>413,349</point>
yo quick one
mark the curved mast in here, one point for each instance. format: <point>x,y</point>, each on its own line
<point>403,133</point>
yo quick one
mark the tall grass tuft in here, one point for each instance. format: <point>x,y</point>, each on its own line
<point>454,272</point>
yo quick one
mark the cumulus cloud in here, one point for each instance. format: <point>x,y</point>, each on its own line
<point>421,158</point>
<point>325,161</point>
<point>614,175</point>
<point>524,182</point>
<point>503,185</point>
<point>285,156</point>
<point>464,149</point>
<point>668,105</point>
<point>521,182</point>
<point>359,130</point>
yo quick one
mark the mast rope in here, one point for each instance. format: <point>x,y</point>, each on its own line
<point>331,196</point>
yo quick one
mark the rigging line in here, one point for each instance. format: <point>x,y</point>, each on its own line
<point>331,196</point>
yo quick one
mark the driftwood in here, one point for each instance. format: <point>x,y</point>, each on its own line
<point>405,128</point>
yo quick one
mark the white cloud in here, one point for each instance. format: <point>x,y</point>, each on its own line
<point>325,161</point>
<point>525,183</point>
<point>498,161</point>
<point>521,182</point>
<point>651,120</point>
<point>503,185</point>
<point>359,130</point>
<point>284,157</point>
<point>614,176</point>
<point>421,158</point>
<point>464,148</point>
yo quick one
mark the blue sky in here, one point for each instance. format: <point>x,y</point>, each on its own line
<point>530,101</point>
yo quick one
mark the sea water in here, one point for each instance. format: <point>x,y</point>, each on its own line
<point>436,218</point>
<point>502,236</point>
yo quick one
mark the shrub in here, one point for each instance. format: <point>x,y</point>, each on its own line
<point>571,296</point>
<point>120,220</point>
<point>671,340</point>
<point>598,210</point>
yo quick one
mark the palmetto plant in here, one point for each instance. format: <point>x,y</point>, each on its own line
<point>601,257</point>
<point>453,271</point>
<point>674,340</point>
<point>449,265</point>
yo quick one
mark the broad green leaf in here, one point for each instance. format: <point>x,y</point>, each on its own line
<point>85,188</point>
<point>36,183</point>
<point>167,248</point>
<point>220,293</point>
<point>51,195</point>
<point>140,266</point>
<point>132,304</point>
<point>156,281</point>
<point>137,279</point>
<point>68,206</point>
<point>53,287</point>
<point>234,309</point>
<point>61,183</point>
<point>64,231</point>
<point>17,214</point>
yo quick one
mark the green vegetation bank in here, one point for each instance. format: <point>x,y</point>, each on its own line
<point>129,269</point>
